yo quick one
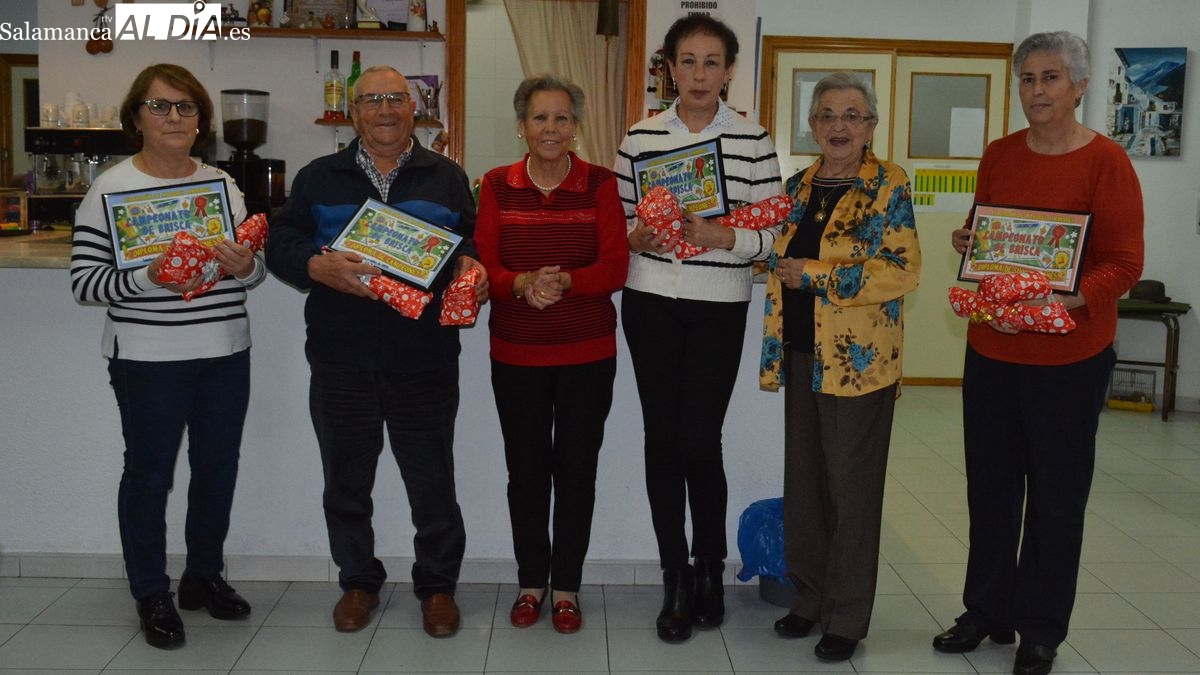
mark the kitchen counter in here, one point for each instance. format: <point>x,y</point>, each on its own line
<point>45,249</point>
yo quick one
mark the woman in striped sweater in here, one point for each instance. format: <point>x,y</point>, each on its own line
<point>172,364</point>
<point>552,235</point>
<point>685,321</point>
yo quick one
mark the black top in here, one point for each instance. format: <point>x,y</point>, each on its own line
<point>799,330</point>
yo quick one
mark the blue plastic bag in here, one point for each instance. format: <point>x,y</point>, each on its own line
<point>760,540</point>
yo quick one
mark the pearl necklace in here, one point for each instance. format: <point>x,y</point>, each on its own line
<point>544,188</point>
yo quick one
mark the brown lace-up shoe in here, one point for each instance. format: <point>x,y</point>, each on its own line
<point>353,611</point>
<point>441,617</point>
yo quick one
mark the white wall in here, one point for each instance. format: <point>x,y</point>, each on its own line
<point>61,445</point>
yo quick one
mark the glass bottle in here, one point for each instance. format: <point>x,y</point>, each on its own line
<point>335,90</point>
<point>355,71</point>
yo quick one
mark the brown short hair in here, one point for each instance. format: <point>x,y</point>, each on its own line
<point>177,77</point>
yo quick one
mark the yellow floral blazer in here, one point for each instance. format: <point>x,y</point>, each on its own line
<point>869,259</point>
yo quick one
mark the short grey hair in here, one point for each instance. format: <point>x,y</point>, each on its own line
<point>840,80</point>
<point>533,85</point>
<point>1070,47</point>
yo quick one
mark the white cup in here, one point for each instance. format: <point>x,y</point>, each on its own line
<point>80,117</point>
<point>93,111</point>
<point>50,112</point>
<point>110,114</point>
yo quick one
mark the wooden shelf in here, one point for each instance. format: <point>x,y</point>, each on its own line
<point>346,34</point>
<point>419,124</point>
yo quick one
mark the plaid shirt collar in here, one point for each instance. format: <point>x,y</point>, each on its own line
<point>381,182</point>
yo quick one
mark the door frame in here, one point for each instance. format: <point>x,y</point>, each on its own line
<point>7,63</point>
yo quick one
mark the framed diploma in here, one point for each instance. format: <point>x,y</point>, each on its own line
<point>1006,239</point>
<point>693,173</point>
<point>142,223</point>
<point>402,245</point>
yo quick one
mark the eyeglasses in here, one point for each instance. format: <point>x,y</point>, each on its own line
<point>162,107</point>
<point>373,101</point>
<point>851,118</point>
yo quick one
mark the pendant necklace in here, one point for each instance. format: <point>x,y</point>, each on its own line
<point>544,188</point>
<point>825,189</point>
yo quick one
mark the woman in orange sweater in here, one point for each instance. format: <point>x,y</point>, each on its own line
<point>1031,402</point>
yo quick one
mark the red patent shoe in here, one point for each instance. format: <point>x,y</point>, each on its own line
<point>567,618</point>
<point>525,611</point>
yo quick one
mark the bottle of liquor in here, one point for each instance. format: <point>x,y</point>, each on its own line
<point>335,90</point>
<point>355,71</point>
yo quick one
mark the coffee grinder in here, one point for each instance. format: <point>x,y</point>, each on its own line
<point>244,126</point>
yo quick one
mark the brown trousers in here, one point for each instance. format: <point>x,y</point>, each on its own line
<point>835,461</point>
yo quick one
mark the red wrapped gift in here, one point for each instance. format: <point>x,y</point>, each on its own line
<point>459,304</point>
<point>409,301</point>
<point>188,257</point>
<point>669,215</point>
<point>660,210</point>
<point>1000,298</point>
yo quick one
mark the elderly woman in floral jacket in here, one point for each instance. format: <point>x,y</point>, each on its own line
<point>832,337</point>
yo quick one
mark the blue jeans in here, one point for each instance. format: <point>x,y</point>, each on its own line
<point>157,400</point>
<point>350,407</point>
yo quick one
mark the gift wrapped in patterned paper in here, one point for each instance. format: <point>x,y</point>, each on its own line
<point>409,301</point>
<point>1001,298</point>
<point>668,216</point>
<point>460,307</point>
<point>188,257</point>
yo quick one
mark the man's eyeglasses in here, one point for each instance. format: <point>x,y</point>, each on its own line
<point>162,107</point>
<point>373,101</point>
<point>850,117</point>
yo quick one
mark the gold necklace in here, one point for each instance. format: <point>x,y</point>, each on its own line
<point>824,192</point>
<point>822,197</point>
<point>543,188</point>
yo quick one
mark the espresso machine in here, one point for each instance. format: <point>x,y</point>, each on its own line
<point>244,126</point>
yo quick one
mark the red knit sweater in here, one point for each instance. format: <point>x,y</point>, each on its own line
<point>1098,178</point>
<point>580,227</point>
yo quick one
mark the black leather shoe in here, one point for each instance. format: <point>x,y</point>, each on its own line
<point>213,594</point>
<point>965,636</point>
<point>160,622</point>
<point>834,648</point>
<point>793,626</point>
<point>674,622</point>
<point>709,602</point>
<point>1033,659</point>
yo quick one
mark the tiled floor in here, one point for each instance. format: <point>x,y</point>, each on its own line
<point>1138,609</point>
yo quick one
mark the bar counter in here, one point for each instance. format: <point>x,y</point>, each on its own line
<point>46,249</point>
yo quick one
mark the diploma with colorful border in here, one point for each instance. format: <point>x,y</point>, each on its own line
<point>693,173</point>
<point>1007,239</point>
<point>142,223</point>
<point>400,244</point>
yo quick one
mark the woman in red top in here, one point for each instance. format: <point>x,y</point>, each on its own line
<point>1031,402</point>
<point>551,232</point>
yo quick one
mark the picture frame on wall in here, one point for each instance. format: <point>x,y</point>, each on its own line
<point>1145,100</point>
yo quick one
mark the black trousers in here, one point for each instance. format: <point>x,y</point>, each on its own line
<point>835,463</point>
<point>1030,440</point>
<point>552,419</point>
<point>685,359</point>
<point>350,408</point>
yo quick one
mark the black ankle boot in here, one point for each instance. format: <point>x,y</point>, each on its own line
<point>675,620</point>
<point>709,608</point>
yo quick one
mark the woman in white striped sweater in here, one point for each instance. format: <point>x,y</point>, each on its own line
<point>685,321</point>
<point>172,364</point>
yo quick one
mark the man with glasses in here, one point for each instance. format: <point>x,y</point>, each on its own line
<point>370,366</point>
